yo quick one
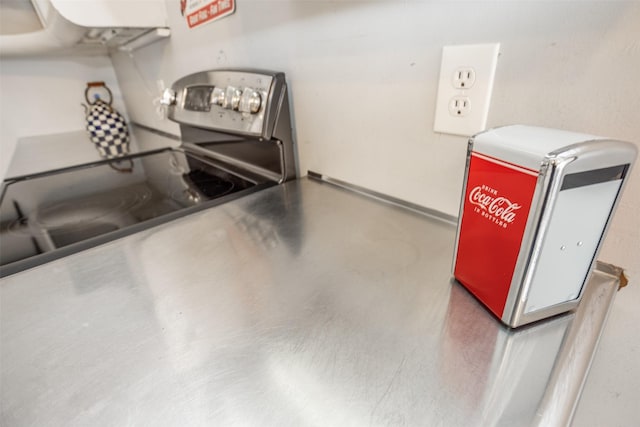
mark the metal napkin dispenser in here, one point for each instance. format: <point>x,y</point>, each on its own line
<point>536,205</point>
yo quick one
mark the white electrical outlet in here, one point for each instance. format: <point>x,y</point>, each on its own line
<point>464,89</point>
<point>464,78</point>
<point>459,106</point>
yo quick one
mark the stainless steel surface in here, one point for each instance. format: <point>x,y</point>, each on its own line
<point>250,103</point>
<point>170,139</point>
<point>52,214</point>
<point>168,97</point>
<point>561,397</point>
<point>304,304</point>
<point>385,198</point>
<point>268,84</point>
<point>232,98</point>
<point>574,158</point>
<point>579,157</point>
<point>41,153</point>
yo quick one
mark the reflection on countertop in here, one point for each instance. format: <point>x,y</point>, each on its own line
<point>40,153</point>
<point>303,304</point>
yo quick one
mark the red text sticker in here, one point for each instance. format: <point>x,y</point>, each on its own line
<point>198,12</point>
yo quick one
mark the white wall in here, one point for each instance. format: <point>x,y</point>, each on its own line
<point>363,75</point>
<point>41,96</point>
<point>364,78</point>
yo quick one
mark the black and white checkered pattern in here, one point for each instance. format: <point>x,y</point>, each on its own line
<point>108,130</point>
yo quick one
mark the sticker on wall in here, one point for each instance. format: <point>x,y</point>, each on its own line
<point>198,12</point>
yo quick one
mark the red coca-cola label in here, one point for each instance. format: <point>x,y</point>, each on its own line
<point>496,206</point>
<point>500,209</point>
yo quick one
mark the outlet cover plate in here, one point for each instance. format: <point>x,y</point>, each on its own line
<point>482,60</point>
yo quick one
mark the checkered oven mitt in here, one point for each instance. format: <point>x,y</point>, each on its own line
<point>106,126</point>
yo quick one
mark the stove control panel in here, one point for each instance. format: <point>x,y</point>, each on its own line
<point>232,101</point>
<point>250,101</point>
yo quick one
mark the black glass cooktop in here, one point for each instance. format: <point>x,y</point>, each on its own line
<point>53,214</point>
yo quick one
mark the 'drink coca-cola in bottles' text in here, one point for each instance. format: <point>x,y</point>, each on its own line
<point>488,203</point>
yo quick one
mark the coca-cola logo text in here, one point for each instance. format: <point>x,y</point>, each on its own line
<point>489,204</point>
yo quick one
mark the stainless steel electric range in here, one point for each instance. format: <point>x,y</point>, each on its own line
<point>236,138</point>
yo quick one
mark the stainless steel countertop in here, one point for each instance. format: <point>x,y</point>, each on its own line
<point>41,153</point>
<point>304,304</point>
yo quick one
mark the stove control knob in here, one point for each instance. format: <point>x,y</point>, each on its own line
<point>168,97</point>
<point>231,98</point>
<point>217,96</point>
<point>250,101</point>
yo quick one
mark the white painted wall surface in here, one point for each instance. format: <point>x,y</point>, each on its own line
<point>40,96</point>
<point>364,74</point>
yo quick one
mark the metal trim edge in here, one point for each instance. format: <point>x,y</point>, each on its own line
<point>433,213</point>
